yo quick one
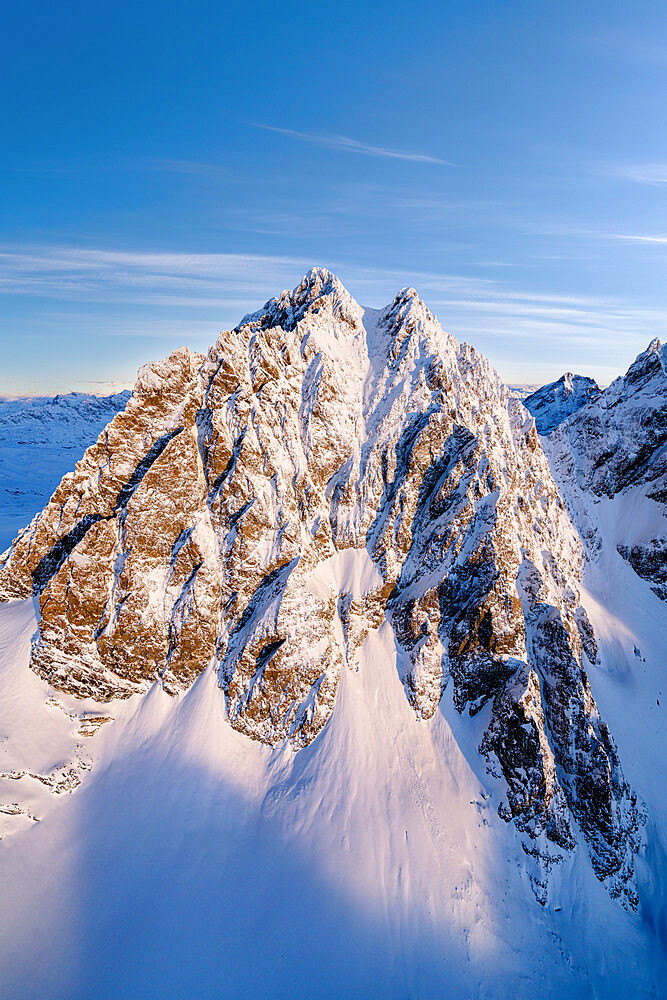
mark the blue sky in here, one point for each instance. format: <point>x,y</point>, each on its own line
<point>166,168</point>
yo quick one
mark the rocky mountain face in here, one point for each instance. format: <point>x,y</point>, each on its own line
<point>616,447</point>
<point>322,470</point>
<point>555,402</point>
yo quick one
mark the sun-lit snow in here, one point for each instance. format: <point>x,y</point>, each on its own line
<point>196,862</point>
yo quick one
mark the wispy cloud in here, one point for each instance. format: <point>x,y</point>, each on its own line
<point>639,173</point>
<point>45,268</point>
<point>144,293</point>
<point>364,208</point>
<point>631,238</point>
<point>188,167</point>
<point>348,145</point>
<point>190,297</point>
<point>197,168</point>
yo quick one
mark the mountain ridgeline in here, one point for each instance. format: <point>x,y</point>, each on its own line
<point>324,470</point>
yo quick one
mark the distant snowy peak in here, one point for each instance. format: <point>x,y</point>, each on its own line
<point>651,363</point>
<point>61,414</point>
<point>522,389</point>
<point>619,437</point>
<point>557,401</point>
<point>616,448</point>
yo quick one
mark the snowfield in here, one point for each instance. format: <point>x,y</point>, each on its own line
<point>193,861</point>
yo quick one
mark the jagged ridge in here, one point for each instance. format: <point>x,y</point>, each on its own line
<point>323,469</point>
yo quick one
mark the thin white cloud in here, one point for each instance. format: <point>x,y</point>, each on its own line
<point>191,297</point>
<point>639,173</point>
<point>346,144</point>
<point>630,238</point>
<point>219,287</point>
<point>190,167</point>
<point>26,269</point>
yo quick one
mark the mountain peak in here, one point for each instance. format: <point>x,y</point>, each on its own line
<point>301,498</point>
<point>553,403</point>
<point>619,437</point>
<point>319,290</point>
<point>650,362</point>
<point>407,312</point>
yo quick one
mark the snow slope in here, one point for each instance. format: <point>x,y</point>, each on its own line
<point>196,862</point>
<point>608,460</point>
<point>40,440</point>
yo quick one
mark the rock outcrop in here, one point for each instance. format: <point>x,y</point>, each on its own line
<point>323,469</point>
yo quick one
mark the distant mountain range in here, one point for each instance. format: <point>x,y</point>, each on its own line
<point>522,390</point>
<point>40,440</point>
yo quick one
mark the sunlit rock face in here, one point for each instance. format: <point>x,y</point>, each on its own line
<point>323,469</point>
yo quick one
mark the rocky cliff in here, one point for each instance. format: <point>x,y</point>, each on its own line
<point>322,470</point>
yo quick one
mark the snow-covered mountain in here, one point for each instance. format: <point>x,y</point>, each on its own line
<point>611,459</point>
<point>336,543</point>
<point>40,440</point>
<point>555,402</point>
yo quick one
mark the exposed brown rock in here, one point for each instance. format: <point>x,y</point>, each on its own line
<point>209,521</point>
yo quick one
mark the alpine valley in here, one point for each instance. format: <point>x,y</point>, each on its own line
<point>323,674</point>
